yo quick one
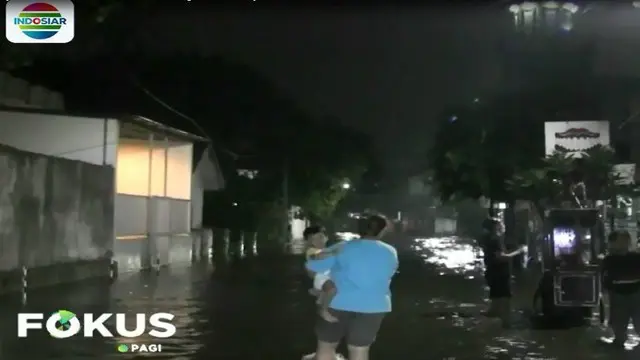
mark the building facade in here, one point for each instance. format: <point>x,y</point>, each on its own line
<point>153,175</point>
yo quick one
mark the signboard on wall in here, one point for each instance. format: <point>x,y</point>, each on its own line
<point>575,137</point>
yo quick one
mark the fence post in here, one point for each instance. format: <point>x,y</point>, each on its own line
<point>221,245</point>
<point>207,243</point>
<point>113,270</point>
<point>25,284</point>
<point>196,242</point>
<point>239,245</point>
<point>250,243</point>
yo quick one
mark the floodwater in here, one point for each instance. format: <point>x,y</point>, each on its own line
<point>259,308</point>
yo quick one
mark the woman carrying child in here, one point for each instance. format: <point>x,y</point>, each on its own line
<point>361,271</point>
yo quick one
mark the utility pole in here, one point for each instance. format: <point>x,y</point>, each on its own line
<point>285,200</point>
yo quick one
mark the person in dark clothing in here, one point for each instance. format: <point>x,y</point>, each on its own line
<point>497,270</point>
<point>621,273</point>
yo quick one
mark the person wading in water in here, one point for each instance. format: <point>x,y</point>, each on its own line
<point>497,270</point>
<point>362,270</point>
<point>621,270</point>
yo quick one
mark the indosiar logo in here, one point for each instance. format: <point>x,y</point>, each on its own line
<point>64,324</point>
<point>39,22</point>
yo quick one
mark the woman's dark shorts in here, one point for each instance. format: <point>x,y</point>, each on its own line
<point>499,284</point>
<point>360,329</point>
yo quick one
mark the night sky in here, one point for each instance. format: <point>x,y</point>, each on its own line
<point>386,71</point>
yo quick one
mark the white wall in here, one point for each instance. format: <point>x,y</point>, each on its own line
<point>209,172</point>
<point>197,201</point>
<point>207,176</point>
<point>179,172</point>
<point>131,214</point>
<point>297,228</point>
<point>70,137</point>
<point>134,169</point>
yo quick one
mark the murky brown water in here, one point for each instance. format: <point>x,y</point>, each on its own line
<point>258,308</point>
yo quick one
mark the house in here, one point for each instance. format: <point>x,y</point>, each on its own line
<point>207,176</point>
<point>151,180</point>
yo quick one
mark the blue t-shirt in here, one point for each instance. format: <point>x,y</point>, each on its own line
<point>362,271</point>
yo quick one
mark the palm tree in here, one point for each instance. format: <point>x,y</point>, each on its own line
<point>570,181</point>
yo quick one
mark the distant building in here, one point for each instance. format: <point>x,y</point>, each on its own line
<point>207,176</point>
<point>418,215</point>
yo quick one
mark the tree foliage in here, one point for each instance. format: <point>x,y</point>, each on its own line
<point>479,148</point>
<point>553,182</point>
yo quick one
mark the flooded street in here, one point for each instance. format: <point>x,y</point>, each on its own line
<point>259,308</point>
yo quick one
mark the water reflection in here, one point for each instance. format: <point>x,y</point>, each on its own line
<point>258,308</point>
<point>450,253</point>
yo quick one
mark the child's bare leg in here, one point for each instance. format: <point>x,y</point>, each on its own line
<point>315,292</point>
<point>329,291</point>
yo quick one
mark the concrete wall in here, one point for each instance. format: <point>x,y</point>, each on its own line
<point>53,212</point>
<point>151,231</point>
<point>131,215</point>
<point>141,253</point>
<point>152,206</point>
<point>197,200</point>
<point>69,137</point>
<point>19,93</point>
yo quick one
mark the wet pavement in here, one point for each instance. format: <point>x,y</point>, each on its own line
<point>259,308</point>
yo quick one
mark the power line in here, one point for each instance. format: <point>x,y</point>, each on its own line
<point>153,97</point>
<point>169,107</point>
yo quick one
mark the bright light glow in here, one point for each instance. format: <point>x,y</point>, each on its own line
<point>132,170</point>
<point>551,5</point>
<point>346,186</point>
<point>346,236</point>
<point>528,6</point>
<point>235,204</point>
<point>179,172</point>
<point>636,4</point>
<point>502,206</point>
<point>571,7</point>
<point>249,174</point>
<point>564,241</point>
<point>514,9</point>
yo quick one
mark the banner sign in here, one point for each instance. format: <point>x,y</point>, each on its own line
<point>575,137</point>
